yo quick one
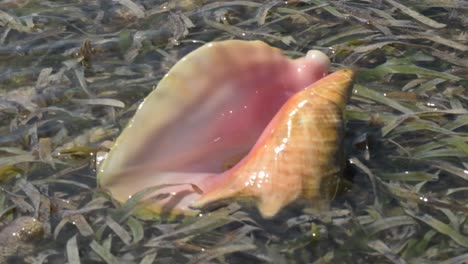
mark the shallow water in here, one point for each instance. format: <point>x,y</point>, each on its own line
<point>72,74</point>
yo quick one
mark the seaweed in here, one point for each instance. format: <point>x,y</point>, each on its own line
<point>73,73</point>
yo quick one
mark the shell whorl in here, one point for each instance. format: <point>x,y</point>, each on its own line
<point>336,87</point>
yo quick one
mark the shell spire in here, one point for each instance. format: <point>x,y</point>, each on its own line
<point>306,134</point>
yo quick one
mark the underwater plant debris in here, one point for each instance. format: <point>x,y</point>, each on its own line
<point>74,72</point>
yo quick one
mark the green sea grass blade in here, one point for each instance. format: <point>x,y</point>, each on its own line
<point>363,91</point>
<point>103,252</point>
<point>417,246</point>
<point>149,259</point>
<point>388,223</point>
<point>417,176</point>
<point>208,222</point>
<point>462,259</point>
<point>421,18</point>
<point>136,228</point>
<point>73,254</point>
<point>328,8</point>
<point>221,251</point>
<point>402,67</point>
<point>441,228</point>
<point>119,230</point>
<point>460,121</point>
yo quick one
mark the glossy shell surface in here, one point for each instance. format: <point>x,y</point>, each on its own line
<point>299,153</point>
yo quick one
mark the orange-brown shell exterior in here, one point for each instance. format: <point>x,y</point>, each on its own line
<point>300,151</point>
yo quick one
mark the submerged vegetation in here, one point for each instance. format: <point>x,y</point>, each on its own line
<point>73,73</point>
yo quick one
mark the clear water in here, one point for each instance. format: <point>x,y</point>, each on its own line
<point>67,68</point>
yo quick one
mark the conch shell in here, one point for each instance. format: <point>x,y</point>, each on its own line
<point>223,101</point>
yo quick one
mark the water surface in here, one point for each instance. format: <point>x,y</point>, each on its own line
<point>73,73</point>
